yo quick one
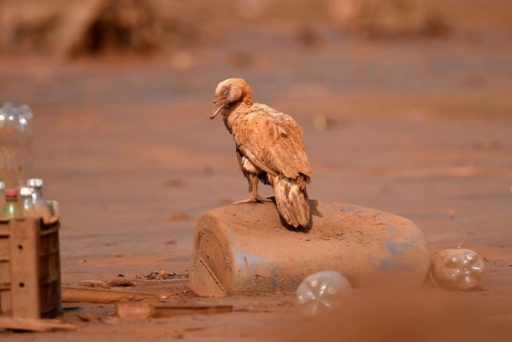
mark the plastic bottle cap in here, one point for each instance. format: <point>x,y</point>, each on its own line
<point>11,192</point>
<point>35,182</point>
<point>25,191</point>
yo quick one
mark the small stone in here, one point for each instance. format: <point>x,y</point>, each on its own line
<point>208,170</point>
<point>452,213</point>
<point>174,183</point>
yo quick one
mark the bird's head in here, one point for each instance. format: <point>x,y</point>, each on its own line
<point>230,93</point>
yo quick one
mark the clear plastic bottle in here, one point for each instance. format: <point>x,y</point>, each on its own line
<point>15,144</point>
<point>41,207</point>
<point>12,209</point>
<point>26,195</point>
<point>457,269</point>
<point>322,292</point>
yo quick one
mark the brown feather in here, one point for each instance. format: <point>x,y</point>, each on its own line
<point>272,141</point>
<point>270,145</point>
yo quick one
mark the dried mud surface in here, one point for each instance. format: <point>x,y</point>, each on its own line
<point>421,129</point>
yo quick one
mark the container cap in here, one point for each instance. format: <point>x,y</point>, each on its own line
<point>11,192</point>
<point>26,191</point>
<point>35,183</point>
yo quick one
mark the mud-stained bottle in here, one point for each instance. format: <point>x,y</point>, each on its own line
<point>12,208</point>
<point>27,203</point>
<point>322,292</point>
<point>457,269</point>
<point>15,144</point>
<point>41,207</point>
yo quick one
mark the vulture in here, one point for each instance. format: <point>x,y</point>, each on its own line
<point>269,148</point>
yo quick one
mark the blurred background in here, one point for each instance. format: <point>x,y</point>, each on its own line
<point>405,104</point>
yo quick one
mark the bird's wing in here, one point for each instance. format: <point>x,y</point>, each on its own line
<point>273,142</point>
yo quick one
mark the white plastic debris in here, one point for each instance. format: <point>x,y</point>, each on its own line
<point>457,269</point>
<point>322,292</point>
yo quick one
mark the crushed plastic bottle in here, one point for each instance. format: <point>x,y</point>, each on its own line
<point>322,292</point>
<point>41,207</point>
<point>15,144</point>
<point>457,269</point>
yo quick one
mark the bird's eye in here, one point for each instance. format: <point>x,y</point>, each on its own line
<point>225,92</point>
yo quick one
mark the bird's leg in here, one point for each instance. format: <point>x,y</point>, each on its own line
<point>254,197</point>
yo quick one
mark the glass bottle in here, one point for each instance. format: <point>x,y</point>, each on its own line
<point>41,207</point>
<point>15,144</point>
<point>12,209</point>
<point>322,292</point>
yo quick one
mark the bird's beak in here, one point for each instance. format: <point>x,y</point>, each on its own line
<point>218,108</point>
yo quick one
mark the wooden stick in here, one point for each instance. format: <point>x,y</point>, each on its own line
<point>166,310</point>
<point>101,296</point>
<point>138,310</point>
<point>33,324</point>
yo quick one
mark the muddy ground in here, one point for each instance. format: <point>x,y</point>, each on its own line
<point>421,128</point>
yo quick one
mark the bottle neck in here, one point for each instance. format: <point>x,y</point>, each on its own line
<point>37,193</point>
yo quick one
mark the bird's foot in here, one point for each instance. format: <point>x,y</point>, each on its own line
<point>253,199</point>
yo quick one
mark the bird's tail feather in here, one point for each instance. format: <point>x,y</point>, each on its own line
<point>292,201</point>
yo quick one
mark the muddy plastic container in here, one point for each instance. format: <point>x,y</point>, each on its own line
<point>29,268</point>
<point>245,249</point>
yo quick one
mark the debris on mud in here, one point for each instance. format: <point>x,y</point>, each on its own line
<point>121,283</point>
<point>322,122</point>
<point>174,183</point>
<point>307,35</point>
<point>70,28</point>
<point>89,283</point>
<point>385,19</point>
<point>162,275</point>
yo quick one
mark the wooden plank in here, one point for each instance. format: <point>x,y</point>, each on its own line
<point>4,229</point>
<point>141,310</point>
<point>24,270</point>
<point>101,296</point>
<point>31,324</point>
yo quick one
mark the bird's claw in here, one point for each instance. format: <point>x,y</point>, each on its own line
<point>253,199</point>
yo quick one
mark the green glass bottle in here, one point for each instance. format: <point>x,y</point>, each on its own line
<point>12,207</point>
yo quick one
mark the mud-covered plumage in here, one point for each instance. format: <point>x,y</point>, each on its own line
<point>270,148</point>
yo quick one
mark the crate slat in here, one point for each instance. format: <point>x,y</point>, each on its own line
<point>29,269</point>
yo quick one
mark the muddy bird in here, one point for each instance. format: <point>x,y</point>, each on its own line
<point>269,147</point>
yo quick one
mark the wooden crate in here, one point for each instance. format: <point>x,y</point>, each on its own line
<point>29,268</point>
